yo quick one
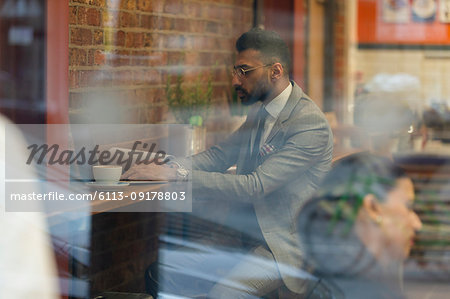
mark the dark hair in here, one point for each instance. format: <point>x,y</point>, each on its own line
<point>325,222</point>
<point>269,43</point>
<point>354,176</point>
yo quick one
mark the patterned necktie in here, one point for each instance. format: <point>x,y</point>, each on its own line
<point>260,121</point>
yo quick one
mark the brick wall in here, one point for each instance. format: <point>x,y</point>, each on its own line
<point>120,52</point>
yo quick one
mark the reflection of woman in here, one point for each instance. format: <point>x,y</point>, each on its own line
<point>359,227</point>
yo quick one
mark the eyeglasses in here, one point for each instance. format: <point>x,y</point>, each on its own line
<point>241,72</point>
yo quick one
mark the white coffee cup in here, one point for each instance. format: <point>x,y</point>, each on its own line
<point>107,174</point>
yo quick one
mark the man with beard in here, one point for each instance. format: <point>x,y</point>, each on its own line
<point>281,153</point>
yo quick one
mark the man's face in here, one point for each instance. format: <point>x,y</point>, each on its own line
<point>255,84</point>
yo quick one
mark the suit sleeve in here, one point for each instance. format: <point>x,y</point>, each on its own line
<point>308,141</point>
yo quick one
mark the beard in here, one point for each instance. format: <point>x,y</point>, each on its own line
<point>258,95</point>
<point>246,98</point>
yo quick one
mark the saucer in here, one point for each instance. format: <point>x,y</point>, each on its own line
<point>107,187</point>
<point>145,182</point>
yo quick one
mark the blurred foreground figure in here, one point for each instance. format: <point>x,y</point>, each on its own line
<point>282,151</point>
<point>389,130</point>
<point>359,228</point>
<point>27,265</point>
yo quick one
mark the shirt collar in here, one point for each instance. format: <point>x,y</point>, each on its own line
<point>275,106</point>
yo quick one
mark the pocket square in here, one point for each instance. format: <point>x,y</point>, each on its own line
<point>266,149</point>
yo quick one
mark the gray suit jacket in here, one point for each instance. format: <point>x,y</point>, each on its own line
<point>300,152</point>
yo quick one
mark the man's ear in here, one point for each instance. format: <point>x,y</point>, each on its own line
<point>372,207</point>
<point>277,71</point>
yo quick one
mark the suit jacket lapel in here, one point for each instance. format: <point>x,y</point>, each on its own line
<point>293,100</point>
<point>296,94</point>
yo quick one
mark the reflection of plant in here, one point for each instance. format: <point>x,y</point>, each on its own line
<point>189,104</point>
<point>344,206</point>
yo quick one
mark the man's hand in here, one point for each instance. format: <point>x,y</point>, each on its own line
<point>150,172</point>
